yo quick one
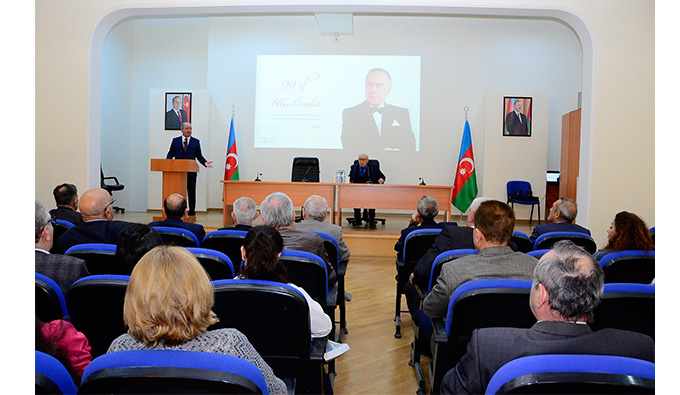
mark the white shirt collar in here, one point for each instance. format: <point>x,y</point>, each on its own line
<point>43,251</point>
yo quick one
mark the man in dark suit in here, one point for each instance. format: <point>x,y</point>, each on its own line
<point>568,286</point>
<point>187,147</point>
<point>365,172</point>
<point>176,116</point>
<point>374,124</point>
<point>560,219</point>
<point>244,213</point>
<point>278,212</point>
<point>99,227</point>
<point>66,197</point>
<point>423,218</point>
<point>516,123</point>
<point>175,208</point>
<point>63,269</point>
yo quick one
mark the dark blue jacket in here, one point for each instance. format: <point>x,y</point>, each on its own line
<point>178,223</point>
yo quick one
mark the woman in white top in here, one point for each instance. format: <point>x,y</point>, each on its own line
<point>260,252</point>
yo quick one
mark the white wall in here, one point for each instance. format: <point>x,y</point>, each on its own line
<point>462,60</point>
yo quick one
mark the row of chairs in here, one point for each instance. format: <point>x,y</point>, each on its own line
<point>94,305</point>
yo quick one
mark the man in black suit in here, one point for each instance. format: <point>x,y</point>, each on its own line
<point>365,172</point>
<point>99,227</point>
<point>375,124</point>
<point>423,218</point>
<point>244,213</point>
<point>516,123</point>
<point>176,116</point>
<point>560,219</point>
<point>66,197</point>
<point>568,286</point>
<point>63,269</point>
<point>187,147</point>
<point>175,208</point>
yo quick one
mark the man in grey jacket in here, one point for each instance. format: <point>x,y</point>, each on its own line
<point>314,215</point>
<point>494,225</point>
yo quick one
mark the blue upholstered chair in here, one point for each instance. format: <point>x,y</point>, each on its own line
<point>522,241</point>
<point>178,236</point>
<point>629,266</point>
<point>60,227</point>
<point>520,192</point>
<point>51,377</point>
<point>216,264</point>
<point>621,302</point>
<point>546,240</point>
<point>340,267</point>
<point>227,241</point>
<point>50,303</point>
<point>99,257</point>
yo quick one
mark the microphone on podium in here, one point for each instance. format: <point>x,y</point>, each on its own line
<point>257,178</point>
<point>422,182</point>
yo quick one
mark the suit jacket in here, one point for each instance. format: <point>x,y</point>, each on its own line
<point>556,227</point>
<point>196,229</point>
<point>302,240</point>
<point>313,225</point>
<point>491,262</point>
<point>193,150</point>
<point>399,246</point>
<point>172,122</point>
<point>451,238</point>
<point>63,269</point>
<point>373,173</point>
<point>360,133</point>
<point>513,125</point>
<point>97,231</point>
<point>67,214</point>
<point>491,348</point>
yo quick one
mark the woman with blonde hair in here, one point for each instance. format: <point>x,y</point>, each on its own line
<point>168,306</point>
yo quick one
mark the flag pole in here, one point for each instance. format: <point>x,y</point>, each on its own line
<point>466,109</point>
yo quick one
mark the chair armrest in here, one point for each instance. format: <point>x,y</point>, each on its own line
<point>421,294</point>
<point>342,267</point>
<point>111,178</point>
<point>439,330</point>
<point>400,263</point>
<point>318,348</point>
<point>332,300</point>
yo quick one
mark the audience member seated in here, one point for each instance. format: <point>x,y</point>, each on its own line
<point>568,286</point>
<point>63,269</point>
<point>423,218</point>
<point>626,232</point>
<point>277,212</point>
<point>99,227</point>
<point>452,237</point>
<point>244,213</point>
<point>560,219</point>
<point>135,241</point>
<point>314,215</point>
<point>61,340</point>
<point>175,209</point>
<point>66,197</point>
<point>168,306</point>
<point>260,252</point>
<point>494,225</point>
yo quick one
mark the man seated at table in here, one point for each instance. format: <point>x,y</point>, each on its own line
<point>365,172</point>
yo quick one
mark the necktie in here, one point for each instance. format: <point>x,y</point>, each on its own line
<point>186,142</point>
<point>520,118</point>
<point>179,115</point>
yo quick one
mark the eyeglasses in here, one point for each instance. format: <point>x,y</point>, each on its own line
<point>112,202</point>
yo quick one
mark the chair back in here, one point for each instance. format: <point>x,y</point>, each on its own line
<point>171,372</point>
<point>178,236</point>
<point>573,374</point>
<point>227,241</point>
<point>626,306</point>
<point>332,249</point>
<point>216,264</point>
<point>546,240</point>
<point>522,242</point>
<point>441,259</point>
<point>95,305</point>
<point>50,303</point>
<point>629,266</point>
<point>307,271</point>
<point>485,304</point>
<point>279,331</point>
<point>100,258</point>
<point>305,169</point>
<point>538,253</point>
<point>51,377</point>
<point>60,227</point>
<point>417,243</point>
<point>518,192</point>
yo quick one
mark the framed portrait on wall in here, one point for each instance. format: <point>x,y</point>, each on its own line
<point>517,116</point>
<point>177,109</point>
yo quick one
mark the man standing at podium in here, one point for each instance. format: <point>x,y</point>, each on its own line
<point>187,147</point>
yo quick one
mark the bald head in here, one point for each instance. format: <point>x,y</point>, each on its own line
<point>175,206</point>
<point>96,204</point>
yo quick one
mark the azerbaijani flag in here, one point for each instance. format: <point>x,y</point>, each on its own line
<point>186,106</point>
<point>465,181</point>
<point>231,165</point>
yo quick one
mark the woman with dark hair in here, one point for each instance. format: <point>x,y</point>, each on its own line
<point>61,340</point>
<point>626,232</point>
<point>134,241</point>
<point>260,252</point>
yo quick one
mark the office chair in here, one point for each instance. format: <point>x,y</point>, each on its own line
<point>305,169</point>
<point>573,374</point>
<point>520,192</point>
<point>111,187</point>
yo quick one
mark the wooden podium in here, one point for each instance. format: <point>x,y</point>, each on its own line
<point>174,177</point>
